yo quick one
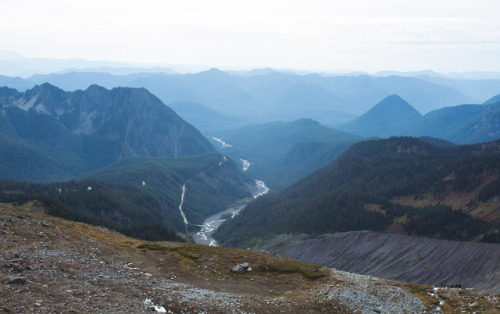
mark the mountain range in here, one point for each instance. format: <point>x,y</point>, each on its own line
<point>266,96</point>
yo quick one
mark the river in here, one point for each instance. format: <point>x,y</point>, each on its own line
<point>210,225</point>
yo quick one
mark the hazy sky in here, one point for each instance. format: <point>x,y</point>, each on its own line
<point>315,35</point>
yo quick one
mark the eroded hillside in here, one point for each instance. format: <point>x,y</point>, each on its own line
<point>399,257</point>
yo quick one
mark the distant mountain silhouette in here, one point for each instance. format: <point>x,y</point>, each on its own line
<point>492,100</point>
<point>282,152</point>
<point>464,124</point>
<point>389,117</point>
<point>204,118</point>
<point>281,96</point>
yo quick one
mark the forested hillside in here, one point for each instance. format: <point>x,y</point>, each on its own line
<point>129,210</point>
<point>141,196</point>
<point>212,182</point>
<point>378,185</point>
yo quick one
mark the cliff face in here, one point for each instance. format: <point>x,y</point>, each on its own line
<point>419,260</point>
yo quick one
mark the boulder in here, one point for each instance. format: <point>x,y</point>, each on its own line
<point>241,268</point>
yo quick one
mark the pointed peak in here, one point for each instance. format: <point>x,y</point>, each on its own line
<point>213,72</point>
<point>393,98</point>
<point>394,103</point>
<point>45,88</point>
<point>306,121</point>
<point>95,87</point>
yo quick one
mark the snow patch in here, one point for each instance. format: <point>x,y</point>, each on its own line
<point>245,164</point>
<point>262,189</point>
<point>225,159</point>
<point>224,144</point>
<point>157,308</point>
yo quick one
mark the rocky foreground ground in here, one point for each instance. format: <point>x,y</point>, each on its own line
<point>49,264</point>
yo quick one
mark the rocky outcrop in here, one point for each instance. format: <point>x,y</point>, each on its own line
<point>413,259</point>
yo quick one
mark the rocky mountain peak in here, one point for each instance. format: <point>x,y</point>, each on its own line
<point>104,125</point>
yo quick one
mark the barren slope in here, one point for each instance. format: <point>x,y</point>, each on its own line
<point>52,265</point>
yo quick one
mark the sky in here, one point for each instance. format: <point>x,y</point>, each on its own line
<point>303,35</point>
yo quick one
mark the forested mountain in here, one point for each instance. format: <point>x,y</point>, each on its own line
<point>282,152</point>
<point>212,182</point>
<point>48,134</point>
<point>139,194</point>
<point>463,124</point>
<point>397,185</point>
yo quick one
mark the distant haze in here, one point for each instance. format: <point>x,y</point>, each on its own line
<point>312,35</point>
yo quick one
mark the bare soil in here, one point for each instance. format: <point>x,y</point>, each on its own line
<point>49,264</point>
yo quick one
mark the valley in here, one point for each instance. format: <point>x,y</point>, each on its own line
<point>210,225</point>
<point>250,156</point>
<point>309,167</point>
